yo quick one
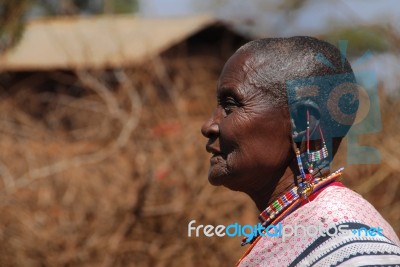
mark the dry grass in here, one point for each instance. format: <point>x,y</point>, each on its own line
<point>110,173</point>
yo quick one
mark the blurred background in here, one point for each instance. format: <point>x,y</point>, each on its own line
<point>101,102</point>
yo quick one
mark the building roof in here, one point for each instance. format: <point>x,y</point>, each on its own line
<point>97,42</point>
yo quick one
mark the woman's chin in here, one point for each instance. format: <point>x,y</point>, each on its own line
<point>217,175</point>
<point>218,179</point>
<point>215,180</point>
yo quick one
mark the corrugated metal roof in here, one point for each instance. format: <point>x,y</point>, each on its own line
<point>97,42</point>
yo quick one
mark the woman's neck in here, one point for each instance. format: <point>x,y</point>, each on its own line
<point>264,196</point>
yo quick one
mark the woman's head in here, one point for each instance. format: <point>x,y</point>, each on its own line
<point>263,92</point>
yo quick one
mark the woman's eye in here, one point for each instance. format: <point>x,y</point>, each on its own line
<point>228,105</point>
<point>228,109</point>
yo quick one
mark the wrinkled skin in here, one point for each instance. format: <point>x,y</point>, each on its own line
<point>249,138</point>
<point>251,133</point>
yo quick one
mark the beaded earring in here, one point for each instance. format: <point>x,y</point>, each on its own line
<point>306,185</point>
<point>315,155</point>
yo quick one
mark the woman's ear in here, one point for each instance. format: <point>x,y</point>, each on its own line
<point>299,112</point>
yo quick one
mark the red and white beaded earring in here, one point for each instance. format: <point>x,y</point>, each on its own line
<point>318,155</point>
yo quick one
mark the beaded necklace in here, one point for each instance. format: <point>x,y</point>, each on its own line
<point>291,200</point>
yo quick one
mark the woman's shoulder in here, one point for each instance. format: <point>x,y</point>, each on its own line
<point>337,227</point>
<point>339,204</point>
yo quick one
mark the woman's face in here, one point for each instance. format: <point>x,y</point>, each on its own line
<point>249,138</point>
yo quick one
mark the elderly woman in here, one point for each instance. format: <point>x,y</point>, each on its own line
<point>273,135</point>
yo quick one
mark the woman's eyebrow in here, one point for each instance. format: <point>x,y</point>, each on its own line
<point>228,91</point>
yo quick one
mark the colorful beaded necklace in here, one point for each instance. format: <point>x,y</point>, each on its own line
<point>292,199</point>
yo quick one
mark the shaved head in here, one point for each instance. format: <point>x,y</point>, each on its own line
<point>278,60</point>
<point>274,63</point>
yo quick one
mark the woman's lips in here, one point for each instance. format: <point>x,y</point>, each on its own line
<point>216,158</point>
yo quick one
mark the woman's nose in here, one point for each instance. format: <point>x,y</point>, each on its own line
<point>210,128</point>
